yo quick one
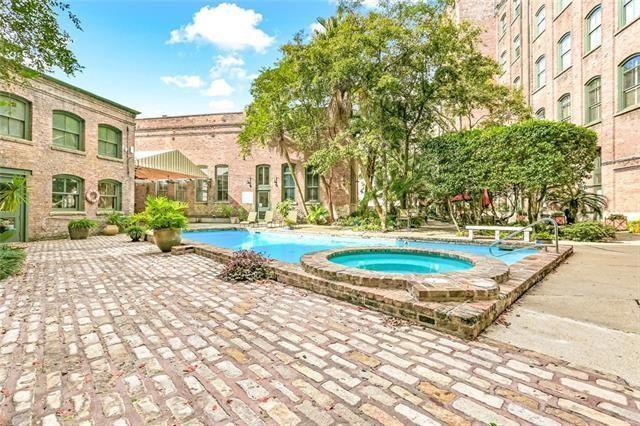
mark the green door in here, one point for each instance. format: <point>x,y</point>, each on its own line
<point>13,221</point>
<point>263,191</point>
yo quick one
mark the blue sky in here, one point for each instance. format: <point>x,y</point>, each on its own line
<point>183,57</point>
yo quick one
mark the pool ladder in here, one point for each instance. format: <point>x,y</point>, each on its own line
<point>520,231</point>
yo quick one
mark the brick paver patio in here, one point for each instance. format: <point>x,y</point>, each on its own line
<point>108,332</point>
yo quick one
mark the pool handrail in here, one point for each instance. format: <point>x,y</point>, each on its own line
<point>521,230</point>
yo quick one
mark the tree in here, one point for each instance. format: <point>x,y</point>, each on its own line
<point>32,40</point>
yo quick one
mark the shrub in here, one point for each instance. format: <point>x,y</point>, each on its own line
<point>634,226</point>
<point>223,210</point>
<point>118,219</point>
<point>135,232</point>
<point>83,223</point>
<point>318,214</point>
<point>616,216</point>
<point>284,208</point>
<point>544,235</point>
<point>589,231</point>
<point>10,260</point>
<point>242,213</point>
<point>162,213</point>
<point>246,265</point>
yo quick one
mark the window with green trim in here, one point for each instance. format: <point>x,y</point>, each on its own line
<point>181,191</point>
<point>564,108</point>
<point>540,21</point>
<point>222,183</point>
<point>14,117</point>
<point>593,29</point>
<point>68,131</point>
<point>540,114</point>
<point>628,11</point>
<point>288,184</point>
<point>564,52</point>
<point>516,47</point>
<point>312,185</point>
<point>110,195</point>
<point>202,190</point>
<point>541,68</point>
<point>109,141</point>
<point>67,192</point>
<point>517,84</point>
<point>516,8</point>
<point>162,188</point>
<point>630,82</point>
<point>503,62</point>
<point>562,5</point>
<point>503,24</point>
<point>592,100</point>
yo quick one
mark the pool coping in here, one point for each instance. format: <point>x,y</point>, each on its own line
<point>466,319</point>
<point>480,282</point>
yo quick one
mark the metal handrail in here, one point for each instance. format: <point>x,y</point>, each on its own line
<point>521,230</point>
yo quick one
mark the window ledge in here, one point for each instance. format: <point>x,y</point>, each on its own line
<point>106,157</point>
<point>591,51</point>
<point>108,212</point>
<point>593,123</point>
<point>15,140</point>
<point>627,110</point>
<point>626,26</point>
<point>63,213</point>
<point>564,71</point>
<point>538,89</point>
<point>69,150</point>
<point>537,36</point>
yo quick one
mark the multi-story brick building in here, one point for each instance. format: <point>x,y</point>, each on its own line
<point>577,61</point>
<point>75,149</point>
<point>256,182</point>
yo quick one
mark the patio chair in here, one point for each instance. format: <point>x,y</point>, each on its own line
<point>252,219</point>
<point>268,218</point>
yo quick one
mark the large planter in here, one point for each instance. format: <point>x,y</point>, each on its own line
<point>79,233</point>
<point>234,220</point>
<point>111,230</point>
<point>167,238</point>
<point>619,224</point>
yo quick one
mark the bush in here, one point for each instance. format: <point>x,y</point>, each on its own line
<point>589,231</point>
<point>162,213</point>
<point>10,260</point>
<point>119,220</point>
<point>246,265</point>
<point>83,223</point>
<point>135,232</point>
<point>544,235</point>
<point>318,214</point>
<point>634,226</point>
<point>284,208</point>
<point>223,210</point>
<point>616,216</point>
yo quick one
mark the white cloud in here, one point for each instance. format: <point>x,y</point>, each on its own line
<point>316,27</point>
<point>183,81</point>
<point>231,66</point>
<point>219,87</point>
<point>222,105</point>
<point>227,27</point>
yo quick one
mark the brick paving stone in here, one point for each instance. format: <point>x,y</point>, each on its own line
<point>108,332</point>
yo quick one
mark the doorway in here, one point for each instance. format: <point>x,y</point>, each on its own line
<point>15,221</point>
<point>263,191</point>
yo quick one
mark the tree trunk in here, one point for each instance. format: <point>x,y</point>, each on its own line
<point>327,187</point>
<point>285,151</point>
<point>452,215</point>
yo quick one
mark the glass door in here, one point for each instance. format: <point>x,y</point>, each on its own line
<point>263,191</point>
<point>15,221</point>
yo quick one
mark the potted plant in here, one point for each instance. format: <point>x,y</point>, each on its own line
<point>618,221</point>
<point>234,217</point>
<point>167,219</point>
<point>559,217</point>
<point>136,232</point>
<point>115,223</point>
<point>284,208</point>
<point>544,237</point>
<point>79,229</point>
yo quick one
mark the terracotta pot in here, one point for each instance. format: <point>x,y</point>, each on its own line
<point>167,238</point>
<point>79,233</point>
<point>110,230</point>
<point>560,220</point>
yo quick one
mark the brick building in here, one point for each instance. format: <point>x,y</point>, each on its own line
<point>69,144</point>
<point>577,61</point>
<point>256,183</point>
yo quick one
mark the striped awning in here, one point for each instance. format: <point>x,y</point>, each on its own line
<point>167,164</point>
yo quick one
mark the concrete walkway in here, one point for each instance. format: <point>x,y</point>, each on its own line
<point>587,312</point>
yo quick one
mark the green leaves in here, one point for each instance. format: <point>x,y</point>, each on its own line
<point>162,213</point>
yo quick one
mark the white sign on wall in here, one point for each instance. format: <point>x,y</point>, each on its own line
<point>247,198</point>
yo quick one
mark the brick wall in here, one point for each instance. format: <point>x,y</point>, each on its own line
<point>210,140</point>
<point>39,156</point>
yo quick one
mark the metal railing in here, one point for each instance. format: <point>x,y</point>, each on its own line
<point>521,230</point>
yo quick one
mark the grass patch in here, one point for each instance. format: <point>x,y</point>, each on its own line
<point>10,260</point>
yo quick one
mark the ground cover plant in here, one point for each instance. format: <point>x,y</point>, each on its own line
<point>246,265</point>
<point>11,259</point>
<point>589,231</point>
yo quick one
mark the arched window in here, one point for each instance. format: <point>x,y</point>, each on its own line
<point>15,116</point>
<point>628,10</point>
<point>592,100</point>
<point>562,5</point>
<point>110,195</point>
<point>503,24</point>
<point>564,107</point>
<point>67,192</point>
<point>629,81</point>
<point>516,83</point>
<point>593,29</point>
<point>540,21</point>
<point>288,184</point>
<point>516,8</point>
<point>503,62</point>
<point>222,182</point>
<point>109,141</point>
<point>541,68</point>
<point>68,130</point>
<point>564,52</point>
<point>516,47</point>
<point>540,114</point>
<point>312,185</point>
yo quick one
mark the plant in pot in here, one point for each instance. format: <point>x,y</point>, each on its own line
<point>115,223</point>
<point>167,219</point>
<point>79,229</point>
<point>284,208</point>
<point>544,237</point>
<point>618,221</point>
<point>559,217</point>
<point>136,232</point>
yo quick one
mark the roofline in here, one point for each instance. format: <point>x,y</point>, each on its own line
<point>189,115</point>
<point>90,94</point>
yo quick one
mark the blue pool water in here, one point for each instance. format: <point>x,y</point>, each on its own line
<point>290,246</point>
<point>401,263</point>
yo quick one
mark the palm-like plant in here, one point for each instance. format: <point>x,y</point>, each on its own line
<point>578,200</point>
<point>12,195</point>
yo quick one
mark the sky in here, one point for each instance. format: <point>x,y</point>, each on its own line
<point>182,57</point>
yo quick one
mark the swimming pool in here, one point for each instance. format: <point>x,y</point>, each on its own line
<point>401,262</point>
<point>290,246</point>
